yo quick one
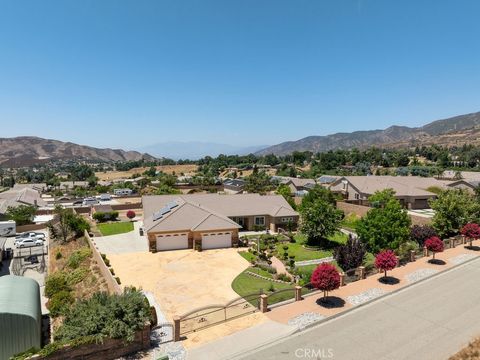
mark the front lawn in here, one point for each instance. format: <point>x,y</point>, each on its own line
<point>247,255</point>
<point>245,284</point>
<point>301,253</point>
<point>115,228</point>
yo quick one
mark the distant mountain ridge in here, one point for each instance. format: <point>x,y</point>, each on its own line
<point>447,131</point>
<point>31,150</point>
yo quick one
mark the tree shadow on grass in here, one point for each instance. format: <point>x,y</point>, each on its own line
<point>436,262</point>
<point>331,302</point>
<point>389,280</point>
<point>473,247</point>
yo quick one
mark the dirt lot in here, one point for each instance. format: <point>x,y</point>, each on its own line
<point>182,280</point>
<point>188,170</point>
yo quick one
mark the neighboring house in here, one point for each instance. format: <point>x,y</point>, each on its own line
<point>297,185</point>
<point>101,209</point>
<point>233,186</point>
<point>23,196</point>
<point>469,185</point>
<point>327,180</point>
<point>210,220</point>
<point>41,187</point>
<point>122,192</point>
<point>70,185</point>
<point>411,191</point>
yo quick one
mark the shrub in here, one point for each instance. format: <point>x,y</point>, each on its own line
<point>118,280</point>
<point>285,247</point>
<point>105,216</point>
<point>268,268</point>
<point>405,248</point>
<point>385,261</point>
<point>471,231</point>
<point>56,283</point>
<point>434,244</point>
<point>104,315</point>
<point>350,255</point>
<point>325,278</point>
<point>271,288</point>
<point>283,277</point>
<point>77,275</point>
<point>112,271</point>
<point>131,214</point>
<point>78,257</point>
<point>58,255</point>
<point>59,303</point>
<point>421,233</point>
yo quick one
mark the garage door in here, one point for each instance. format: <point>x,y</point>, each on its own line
<point>172,242</point>
<point>216,240</point>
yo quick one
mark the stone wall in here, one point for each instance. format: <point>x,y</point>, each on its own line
<point>112,284</point>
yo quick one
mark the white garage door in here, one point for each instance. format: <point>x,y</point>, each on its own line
<point>172,242</point>
<point>217,240</point>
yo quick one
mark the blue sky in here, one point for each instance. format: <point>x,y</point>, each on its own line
<point>133,73</point>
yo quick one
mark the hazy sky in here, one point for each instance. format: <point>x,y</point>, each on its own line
<point>132,73</point>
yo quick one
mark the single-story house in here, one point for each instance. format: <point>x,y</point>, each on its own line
<point>296,185</point>
<point>233,186</point>
<point>327,180</point>
<point>70,185</point>
<point>411,191</point>
<point>40,187</point>
<point>469,185</point>
<point>20,196</point>
<point>210,220</point>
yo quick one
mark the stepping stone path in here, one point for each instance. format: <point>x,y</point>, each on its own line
<point>302,320</point>
<point>365,296</point>
<point>314,262</point>
<point>420,274</point>
<point>461,258</point>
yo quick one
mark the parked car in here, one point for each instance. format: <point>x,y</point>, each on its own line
<point>28,243</point>
<point>105,197</point>
<point>30,235</point>
<point>78,202</point>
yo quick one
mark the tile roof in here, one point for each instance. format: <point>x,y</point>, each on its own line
<point>20,196</point>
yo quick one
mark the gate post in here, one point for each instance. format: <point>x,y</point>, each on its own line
<point>298,293</point>
<point>452,242</point>
<point>425,251</point>
<point>176,328</point>
<point>412,255</point>
<point>464,240</point>
<point>342,279</point>
<point>361,272</point>
<point>263,303</point>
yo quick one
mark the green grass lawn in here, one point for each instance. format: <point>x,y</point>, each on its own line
<point>301,253</point>
<point>350,222</point>
<point>115,228</point>
<point>247,255</point>
<point>245,284</point>
<point>261,272</point>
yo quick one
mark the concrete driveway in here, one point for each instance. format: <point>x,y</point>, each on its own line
<point>130,242</point>
<point>181,280</point>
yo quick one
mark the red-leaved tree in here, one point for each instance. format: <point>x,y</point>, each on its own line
<point>385,261</point>
<point>471,231</point>
<point>131,214</point>
<point>326,278</point>
<point>434,244</point>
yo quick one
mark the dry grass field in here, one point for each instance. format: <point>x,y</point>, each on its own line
<point>188,170</point>
<point>471,352</point>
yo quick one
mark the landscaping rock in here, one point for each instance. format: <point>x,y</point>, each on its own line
<point>174,350</point>
<point>314,262</point>
<point>302,320</point>
<point>461,258</point>
<point>420,274</point>
<point>365,296</point>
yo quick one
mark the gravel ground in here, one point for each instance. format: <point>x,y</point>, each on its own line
<point>420,274</point>
<point>461,258</point>
<point>365,296</point>
<point>302,320</point>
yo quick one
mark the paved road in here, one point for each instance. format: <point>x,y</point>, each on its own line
<point>430,320</point>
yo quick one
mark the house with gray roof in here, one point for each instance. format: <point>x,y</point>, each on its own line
<point>210,221</point>
<point>20,196</point>
<point>413,192</point>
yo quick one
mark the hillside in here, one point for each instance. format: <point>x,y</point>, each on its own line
<point>29,150</point>
<point>457,130</point>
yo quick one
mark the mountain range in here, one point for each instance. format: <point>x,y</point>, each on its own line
<point>30,150</point>
<point>456,130</point>
<point>194,150</point>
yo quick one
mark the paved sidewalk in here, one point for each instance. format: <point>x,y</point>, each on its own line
<point>279,265</point>
<point>430,320</point>
<point>238,343</point>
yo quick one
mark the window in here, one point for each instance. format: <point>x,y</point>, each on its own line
<point>357,196</point>
<point>259,220</point>
<point>287,219</point>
